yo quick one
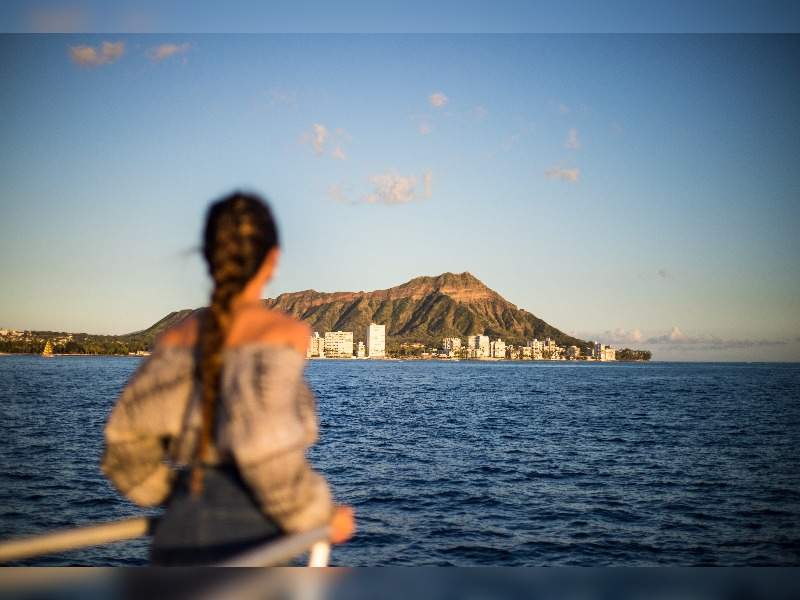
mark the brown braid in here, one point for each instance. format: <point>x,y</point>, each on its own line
<point>238,235</point>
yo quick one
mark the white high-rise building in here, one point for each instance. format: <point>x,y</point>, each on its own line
<point>451,343</point>
<point>339,344</point>
<point>316,346</point>
<point>498,348</point>
<point>537,348</point>
<point>480,344</point>
<point>376,341</point>
<point>361,351</point>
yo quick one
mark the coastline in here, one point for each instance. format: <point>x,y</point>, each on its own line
<point>73,354</point>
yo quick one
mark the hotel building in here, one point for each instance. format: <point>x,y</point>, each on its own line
<point>376,341</point>
<point>451,343</point>
<point>498,349</point>
<point>339,344</point>
<point>316,346</point>
<point>604,353</point>
<point>479,345</point>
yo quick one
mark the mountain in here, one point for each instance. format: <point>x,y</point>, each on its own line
<point>425,309</point>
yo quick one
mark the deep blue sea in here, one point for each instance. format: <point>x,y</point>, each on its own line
<point>471,463</point>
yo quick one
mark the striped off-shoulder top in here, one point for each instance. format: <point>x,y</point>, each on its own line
<point>266,420</point>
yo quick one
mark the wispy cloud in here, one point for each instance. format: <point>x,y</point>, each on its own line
<point>338,194</point>
<point>93,56</point>
<point>622,336</point>
<point>392,188</point>
<point>663,273</point>
<point>570,175</point>
<point>327,142</point>
<point>572,142</point>
<point>319,136</point>
<point>388,188</point>
<point>438,99</point>
<point>617,337</point>
<point>338,153</point>
<point>563,109</point>
<point>164,51</point>
<point>678,339</point>
<point>424,128</point>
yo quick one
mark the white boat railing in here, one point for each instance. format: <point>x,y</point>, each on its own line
<point>315,542</point>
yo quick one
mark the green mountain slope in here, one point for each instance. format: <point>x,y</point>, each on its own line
<point>425,309</point>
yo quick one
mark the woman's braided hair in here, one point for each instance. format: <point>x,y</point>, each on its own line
<point>239,233</point>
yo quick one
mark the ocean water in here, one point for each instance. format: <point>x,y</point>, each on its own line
<point>470,463</point>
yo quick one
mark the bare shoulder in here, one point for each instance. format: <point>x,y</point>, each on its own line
<point>183,334</point>
<point>270,326</point>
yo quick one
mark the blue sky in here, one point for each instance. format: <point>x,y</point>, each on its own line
<point>637,188</point>
<point>388,16</point>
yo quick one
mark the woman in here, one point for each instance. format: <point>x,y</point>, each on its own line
<point>223,396</point>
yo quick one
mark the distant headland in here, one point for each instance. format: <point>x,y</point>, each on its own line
<point>418,316</point>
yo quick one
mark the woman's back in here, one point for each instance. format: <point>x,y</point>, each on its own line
<point>265,421</point>
<point>224,394</point>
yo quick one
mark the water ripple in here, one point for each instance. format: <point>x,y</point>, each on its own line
<point>471,463</point>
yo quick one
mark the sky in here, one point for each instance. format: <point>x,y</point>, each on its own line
<point>637,189</point>
<point>408,16</point>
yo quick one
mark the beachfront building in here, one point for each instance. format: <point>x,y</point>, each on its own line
<point>536,349</point>
<point>551,350</point>
<point>451,343</point>
<point>376,341</point>
<point>316,346</point>
<point>339,344</point>
<point>361,352</point>
<point>604,353</point>
<point>573,353</point>
<point>497,348</point>
<point>478,346</point>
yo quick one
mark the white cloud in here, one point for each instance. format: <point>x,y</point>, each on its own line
<point>91,56</point>
<point>677,339</point>
<point>392,188</point>
<point>164,51</point>
<point>570,175</point>
<point>324,141</point>
<point>572,142</point>
<point>438,99</point>
<point>676,335</point>
<point>319,135</point>
<point>618,336</point>
<point>387,188</point>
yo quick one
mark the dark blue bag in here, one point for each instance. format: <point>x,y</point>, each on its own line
<point>222,521</point>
